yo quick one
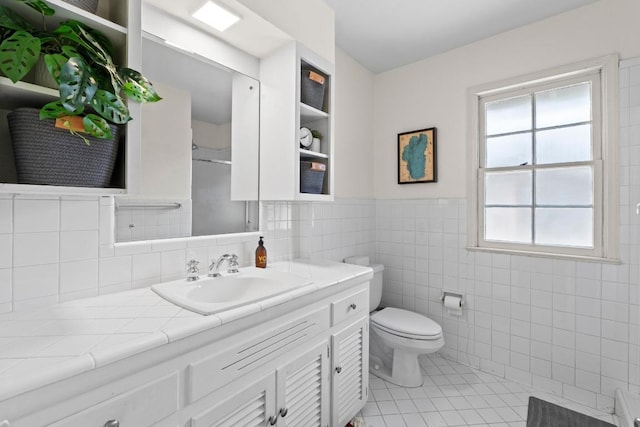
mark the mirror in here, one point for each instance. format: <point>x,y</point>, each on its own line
<point>199,159</point>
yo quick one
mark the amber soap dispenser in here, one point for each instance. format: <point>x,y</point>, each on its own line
<point>261,254</point>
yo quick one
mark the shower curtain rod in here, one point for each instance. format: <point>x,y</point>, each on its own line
<point>220,162</point>
<point>175,205</point>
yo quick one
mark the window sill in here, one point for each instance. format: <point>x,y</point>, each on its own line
<point>567,257</point>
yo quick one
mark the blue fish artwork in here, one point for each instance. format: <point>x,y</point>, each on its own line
<point>414,154</point>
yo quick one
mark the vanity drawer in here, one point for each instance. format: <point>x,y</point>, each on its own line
<point>265,345</point>
<point>146,405</point>
<point>350,306</point>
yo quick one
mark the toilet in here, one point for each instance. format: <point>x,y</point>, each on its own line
<point>397,337</point>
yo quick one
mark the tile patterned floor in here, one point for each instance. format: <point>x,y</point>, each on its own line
<point>456,395</point>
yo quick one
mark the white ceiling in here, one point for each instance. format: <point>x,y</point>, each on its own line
<point>386,34</point>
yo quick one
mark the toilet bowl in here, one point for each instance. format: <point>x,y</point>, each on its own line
<point>397,336</point>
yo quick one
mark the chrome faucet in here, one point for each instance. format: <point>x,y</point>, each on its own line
<point>192,270</point>
<point>231,259</point>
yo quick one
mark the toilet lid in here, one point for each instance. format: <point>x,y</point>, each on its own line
<point>407,323</point>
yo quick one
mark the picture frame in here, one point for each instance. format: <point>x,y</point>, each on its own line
<point>417,161</point>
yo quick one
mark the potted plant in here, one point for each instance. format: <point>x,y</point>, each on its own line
<point>91,86</point>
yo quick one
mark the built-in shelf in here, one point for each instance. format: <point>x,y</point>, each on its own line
<point>58,190</point>
<point>22,94</point>
<point>115,32</point>
<point>312,154</point>
<point>308,113</point>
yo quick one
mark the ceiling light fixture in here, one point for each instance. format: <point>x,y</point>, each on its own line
<point>216,16</point>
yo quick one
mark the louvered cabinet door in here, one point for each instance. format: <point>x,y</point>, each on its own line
<point>303,389</point>
<point>350,371</point>
<point>250,407</point>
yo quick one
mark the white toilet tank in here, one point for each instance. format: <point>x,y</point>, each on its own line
<point>375,286</point>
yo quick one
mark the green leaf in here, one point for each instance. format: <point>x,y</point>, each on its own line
<point>76,85</point>
<point>70,51</point>
<point>18,54</point>
<point>53,110</point>
<point>11,20</point>
<point>97,126</point>
<point>137,87</point>
<point>110,106</point>
<point>54,64</point>
<point>39,6</point>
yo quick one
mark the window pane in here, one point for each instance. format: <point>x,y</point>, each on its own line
<point>571,144</point>
<point>508,188</point>
<point>508,224</point>
<point>564,227</point>
<point>510,150</point>
<point>566,105</point>
<point>509,115</point>
<point>565,186</point>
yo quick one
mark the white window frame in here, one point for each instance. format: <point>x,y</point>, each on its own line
<point>604,72</point>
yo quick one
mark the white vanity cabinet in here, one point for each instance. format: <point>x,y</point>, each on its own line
<point>284,162</point>
<point>296,394</point>
<point>303,362</point>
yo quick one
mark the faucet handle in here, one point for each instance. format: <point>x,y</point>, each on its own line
<point>192,270</point>
<point>233,264</point>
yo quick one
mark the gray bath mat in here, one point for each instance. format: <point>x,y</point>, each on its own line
<point>545,414</point>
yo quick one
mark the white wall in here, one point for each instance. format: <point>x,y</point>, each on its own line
<point>433,92</point>
<point>354,142</point>
<point>211,135</point>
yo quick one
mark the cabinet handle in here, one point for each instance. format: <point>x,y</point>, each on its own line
<point>273,420</point>
<point>112,423</point>
<point>338,369</point>
<point>353,306</point>
<point>284,412</point>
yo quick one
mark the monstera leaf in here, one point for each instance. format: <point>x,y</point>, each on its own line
<point>137,87</point>
<point>54,65</point>
<point>111,107</point>
<point>77,86</point>
<point>18,54</point>
<point>39,6</point>
<point>97,126</point>
<point>12,21</point>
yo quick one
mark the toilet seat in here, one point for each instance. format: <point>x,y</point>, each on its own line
<point>406,324</point>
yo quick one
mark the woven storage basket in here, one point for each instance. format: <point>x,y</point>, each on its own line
<point>311,91</point>
<point>310,180</point>
<point>46,155</point>
<point>88,5</point>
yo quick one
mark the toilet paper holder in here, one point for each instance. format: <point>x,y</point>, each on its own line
<point>452,294</point>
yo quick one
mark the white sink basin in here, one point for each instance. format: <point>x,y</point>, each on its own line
<point>213,294</point>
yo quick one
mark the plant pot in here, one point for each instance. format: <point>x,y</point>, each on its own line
<point>46,155</point>
<point>39,75</point>
<point>88,5</point>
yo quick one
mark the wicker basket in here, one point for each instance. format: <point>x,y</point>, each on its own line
<point>311,90</point>
<point>88,5</point>
<point>311,181</point>
<point>46,155</point>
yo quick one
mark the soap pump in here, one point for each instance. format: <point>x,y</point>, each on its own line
<point>261,254</point>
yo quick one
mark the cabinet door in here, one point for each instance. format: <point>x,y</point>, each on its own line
<point>250,407</point>
<point>303,389</point>
<point>350,370</point>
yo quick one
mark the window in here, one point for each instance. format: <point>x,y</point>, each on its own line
<point>545,170</point>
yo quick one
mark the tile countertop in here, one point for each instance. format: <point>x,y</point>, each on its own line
<point>39,347</point>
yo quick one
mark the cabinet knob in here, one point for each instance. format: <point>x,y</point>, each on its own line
<point>273,420</point>
<point>353,306</point>
<point>284,412</point>
<point>112,423</point>
<point>338,369</point>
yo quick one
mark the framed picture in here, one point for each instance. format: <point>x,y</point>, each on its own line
<point>417,156</point>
